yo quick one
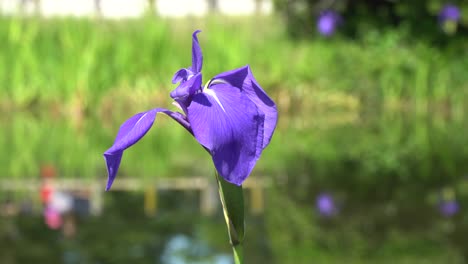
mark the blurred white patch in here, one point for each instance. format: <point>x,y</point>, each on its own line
<point>240,7</point>
<point>123,8</point>
<point>115,9</point>
<point>61,202</point>
<point>11,7</point>
<point>266,7</point>
<point>181,8</point>
<point>67,7</point>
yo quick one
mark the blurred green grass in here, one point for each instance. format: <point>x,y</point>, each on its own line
<point>380,121</point>
<point>75,80</point>
<point>55,60</point>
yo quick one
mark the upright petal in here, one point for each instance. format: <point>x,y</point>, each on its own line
<point>243,79</point>
<point>185,74</point>
<point>130,132</point>
<point>197,56</point>
<point>226,122</point>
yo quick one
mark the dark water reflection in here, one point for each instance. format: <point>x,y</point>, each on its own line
<point>387,171</point>
<point>178,233</point>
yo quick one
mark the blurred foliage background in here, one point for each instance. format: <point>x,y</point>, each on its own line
<point>416,18</point>
<point>374,115</point>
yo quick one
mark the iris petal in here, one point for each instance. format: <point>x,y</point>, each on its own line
<point>182,75</point>
<point>188,88</point>
<point>197,56</point>
<point>243,79</point>
<point>185,74</point>
<point>130,132</point>
<point>230,126</point>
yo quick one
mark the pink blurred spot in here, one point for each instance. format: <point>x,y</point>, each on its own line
<point>52,218</point>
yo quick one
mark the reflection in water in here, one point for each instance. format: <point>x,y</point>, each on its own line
<point>388,172</point>
<point>122,234</point>
<point>181,249</point>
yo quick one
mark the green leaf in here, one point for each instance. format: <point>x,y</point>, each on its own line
<point>232,199</point>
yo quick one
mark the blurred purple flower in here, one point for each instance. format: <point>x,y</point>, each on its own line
<point>449,16</point>
<point>325,204</point>
<point>448,208</point>
<point>327,22</point>
<point>449,12</point>
<point>231,117</point>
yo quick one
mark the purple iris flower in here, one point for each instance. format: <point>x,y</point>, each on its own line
<point>327,22</point>
<point>449,13</point>
<point>231,117</point>
<point>449,208</point>
<point>326,205</point>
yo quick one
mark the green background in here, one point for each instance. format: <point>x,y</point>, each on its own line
<point>375,115</point>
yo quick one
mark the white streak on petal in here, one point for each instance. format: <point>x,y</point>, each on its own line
<point>212,93</point>
<point>217,81</point>
<point>213,82</point>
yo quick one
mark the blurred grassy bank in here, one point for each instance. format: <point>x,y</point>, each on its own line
<point>88,62</point>
<point>69,80</point>
<point>74,79</point>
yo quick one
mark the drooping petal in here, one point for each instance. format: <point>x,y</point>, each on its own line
<point>226,122</point>
<point>197,56</point>
<point>130,132</point>
<point>243,79</point>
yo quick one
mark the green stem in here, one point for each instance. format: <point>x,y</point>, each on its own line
<point>238,252</point>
